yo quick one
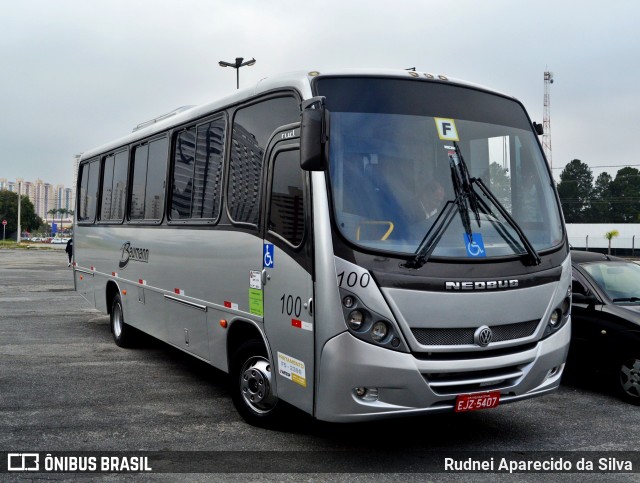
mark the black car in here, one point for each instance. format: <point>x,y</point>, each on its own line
<point>606,320</point>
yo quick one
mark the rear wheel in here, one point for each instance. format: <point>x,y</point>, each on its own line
<point>627,379</point>
<point>123,334</point>
<point>252,385</point>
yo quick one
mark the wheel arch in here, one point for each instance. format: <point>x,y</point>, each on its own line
<point>241,331</point>
<point>111,291</point>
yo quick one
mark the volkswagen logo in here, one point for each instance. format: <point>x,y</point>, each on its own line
<point>483,336</point>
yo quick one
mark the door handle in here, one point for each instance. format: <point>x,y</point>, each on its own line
<point>265,276</point>
<point>309,306</point>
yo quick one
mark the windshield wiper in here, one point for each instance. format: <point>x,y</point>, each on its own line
<point>627,299</point>
<point>462,188</point>
<point>466,197</point>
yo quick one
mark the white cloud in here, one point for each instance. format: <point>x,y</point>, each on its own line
<point>77,74</point>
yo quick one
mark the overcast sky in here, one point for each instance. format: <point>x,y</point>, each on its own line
<point>77,73</point>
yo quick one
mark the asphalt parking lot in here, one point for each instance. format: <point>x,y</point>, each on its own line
<point>65,386</point>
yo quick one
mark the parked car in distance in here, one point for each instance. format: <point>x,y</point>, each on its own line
<point>605,318</point>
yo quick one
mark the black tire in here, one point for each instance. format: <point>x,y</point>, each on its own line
<point>123,334</point>
<point>627,379</point>
<point>251,375</point>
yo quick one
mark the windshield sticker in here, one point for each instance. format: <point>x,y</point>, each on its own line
<point>292,369</point>
<point>446,129</point>
<point>475,245</point>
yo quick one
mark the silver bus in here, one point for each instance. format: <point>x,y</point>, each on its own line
<point>356,244</point>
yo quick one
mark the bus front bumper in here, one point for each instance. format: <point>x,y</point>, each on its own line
<point>397,383</point>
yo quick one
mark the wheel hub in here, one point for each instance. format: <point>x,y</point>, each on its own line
<point>630,377</point>
<point>255,385</point>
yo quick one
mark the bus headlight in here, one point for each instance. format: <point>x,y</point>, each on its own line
<point>558,317</point>
<point>356,318</point>
<point>368,325</point>
<point>379,331</point>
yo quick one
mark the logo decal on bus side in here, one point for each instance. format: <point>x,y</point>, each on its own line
<point>133,253</point>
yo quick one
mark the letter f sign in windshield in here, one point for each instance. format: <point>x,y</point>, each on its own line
<point>446,129</point>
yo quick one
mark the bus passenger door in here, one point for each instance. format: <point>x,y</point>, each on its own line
<point>288,276</point>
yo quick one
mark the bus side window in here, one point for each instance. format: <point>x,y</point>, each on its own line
<point>107,183</point>
<point>252,127</point>
<point>182,181</point>
<point>113,191</point>
<point>119,187</point>
<point>208,170</point>
<point>197,172</point>
<point>147,187</point>
<point>139,168</point>
<point>286,208</point>
<point>89,174</point>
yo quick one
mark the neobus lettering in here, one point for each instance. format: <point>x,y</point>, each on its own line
<point>485,285</point>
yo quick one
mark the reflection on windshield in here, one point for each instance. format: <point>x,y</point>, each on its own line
<point>390,178</point>
<point>620,280</point>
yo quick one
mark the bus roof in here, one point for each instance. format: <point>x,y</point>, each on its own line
<point>300,81</point>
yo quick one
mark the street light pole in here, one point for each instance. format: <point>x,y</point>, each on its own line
<point>236,65</point>
<point>19,200</point>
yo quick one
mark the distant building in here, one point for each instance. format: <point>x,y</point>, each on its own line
<point>44,196</point>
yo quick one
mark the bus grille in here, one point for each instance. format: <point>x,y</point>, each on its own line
<point>464,336</point>
<point>465,382</point>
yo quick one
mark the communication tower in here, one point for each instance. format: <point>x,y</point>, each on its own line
<point>546,120</point>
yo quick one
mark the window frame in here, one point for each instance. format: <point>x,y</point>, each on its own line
<point>82,166</point>
<point>133,147</point>
<point>219,115</point>
<point>103,159</point>
<point>233,112</point>
<point>278,149</point>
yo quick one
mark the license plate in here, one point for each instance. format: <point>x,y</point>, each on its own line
<point>473,402</point>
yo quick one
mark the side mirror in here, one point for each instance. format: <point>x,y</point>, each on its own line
<point>538,128</point>
<point>313,134</point>
<point>581,294</point>
<point>577,288</point>
<point>578,298</point>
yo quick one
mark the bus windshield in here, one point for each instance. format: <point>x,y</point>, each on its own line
<point>392,145</point>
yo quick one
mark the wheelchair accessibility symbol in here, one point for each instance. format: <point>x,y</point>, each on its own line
<point>267,255</point>
<point>475,245</point>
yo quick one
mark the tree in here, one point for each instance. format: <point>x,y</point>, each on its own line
<point>500,184</point>
<point>625,194</point>
<point>575,190</point>
<point>52,212</point>
<point>29,221</point>
<point>601,209</point>
<point>610,235</point>
<point>63,212</point>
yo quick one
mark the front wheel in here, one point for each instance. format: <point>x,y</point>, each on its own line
<point>627,379</point>
<point>252,385</point>
<point>123,334</point>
